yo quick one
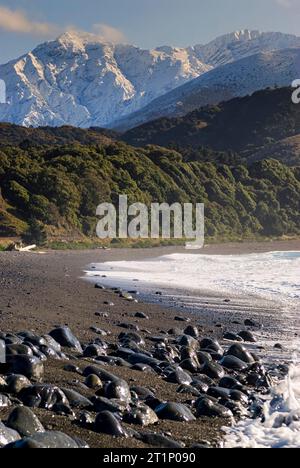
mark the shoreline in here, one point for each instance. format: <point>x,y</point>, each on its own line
<point>41,292</point>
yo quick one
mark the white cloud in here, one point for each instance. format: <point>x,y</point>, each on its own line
<point>108,33</point>
<point>16,21</point>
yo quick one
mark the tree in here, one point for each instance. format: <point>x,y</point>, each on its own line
<point>35,234</point>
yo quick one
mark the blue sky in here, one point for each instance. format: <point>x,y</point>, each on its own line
<point>146,23</point>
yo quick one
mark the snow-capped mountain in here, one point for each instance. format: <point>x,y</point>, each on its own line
<point>81,81</point>
<point>237,79</point>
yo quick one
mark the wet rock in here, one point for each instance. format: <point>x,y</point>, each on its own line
<point>131,336</point>
<point>4,401</point>
<point>113,406</point>
<point>247,336</point>
<point>65,338</point>
<point>141,415</point>
<point>48,440</point>
<point>174,412</point>
<point>159,440</point>
<point>42,396</point>
<point>192,331</point>
<point>99,286</point>
<point>212,345</point>
<point>93,350</point>
<point>142,368</point>
<point>278,346</point>
<point>182,319</point>
<point>107,423</point>
<point>28,366</point>
<point>189,390</point>
<point>179,376</point>
<point>191,365</point>
<point>94,382</point>
<point>7,435</point>
<point>118,390</point>
<point>141,315</point>
<point>230,383</point>
<point>233,363</point>
<point>251,323</point>
<point>142,392</point>
<point>232,337</point>
<point>18,349</point>
<point>206,407</point>
<point>25,422</point>
<point>99,331</point>
<point>188,341</point>
<point>103,374</point>
<point>72,368</point>
<point>241,353</point>
<point>212,370</point>
<point>76,400</point>
<point>203,357</point>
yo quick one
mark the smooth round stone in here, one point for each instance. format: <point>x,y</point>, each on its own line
<point>132,336</point>
<point>42,396</point>
<point>65,338</point>
<point>188,390</point>
<point>48,440</point>
<point>52,343</point>
<point>107,423</point>
<point>212,370</point>
<point>24,421</point>
<point>213,345</point>
<point>192,331</point>
<point>141,315</point>
<point>29,366</point>
<point>93,350</point>
<point>4,401</point>
<point>16,383</point>
<point>251,323</point>
<point>203,357</point>
<point>142,368</point>
<point>206,407</point>
<point>175,331</point>
<point>141,415</point>
<point>240,352</point>
<point>93,381</point>
<point>233,363</point>
<point>99,286</point>
<point>142,392</point>
<point>179,376</point>
<point>76,400</point>
<point>3,385</point>
<point>118,390</point>
<point>188,341</point>
<point>191,365</point>
<point>18,349</point>
<point>247,336</point>
<point>232,337</point>
<point>161,441</point>
<point>230,383</point>
<point>113,406</point>
<point>174,412</point>
<point>7,435</point>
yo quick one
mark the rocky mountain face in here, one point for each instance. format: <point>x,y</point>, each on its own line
<point>79,80</point>
<point>236,79</point>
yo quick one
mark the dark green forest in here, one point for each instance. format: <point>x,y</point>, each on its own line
<point>59,188</point>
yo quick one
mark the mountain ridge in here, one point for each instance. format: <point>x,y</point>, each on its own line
<point>79,80</point>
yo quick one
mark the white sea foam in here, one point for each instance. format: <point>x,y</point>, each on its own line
<point>272,276</point>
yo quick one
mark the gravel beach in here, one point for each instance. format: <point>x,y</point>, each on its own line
<point>44,292</point>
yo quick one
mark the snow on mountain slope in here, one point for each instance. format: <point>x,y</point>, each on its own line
<point>237,79</point>
<point>81,81</point>
<point>241,44</point>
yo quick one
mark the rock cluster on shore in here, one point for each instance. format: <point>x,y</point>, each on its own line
<point>218,381</point>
